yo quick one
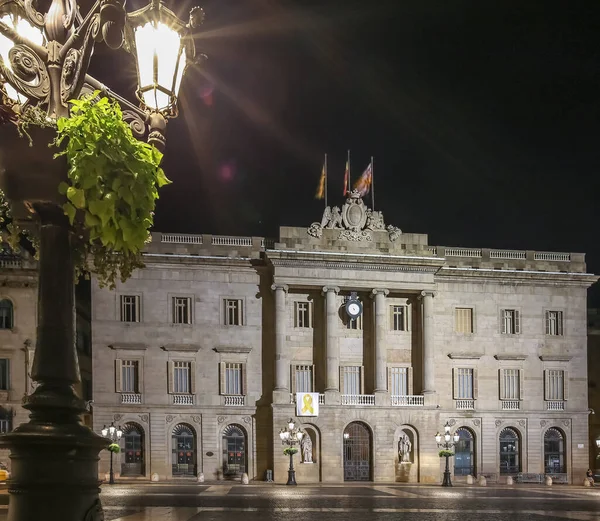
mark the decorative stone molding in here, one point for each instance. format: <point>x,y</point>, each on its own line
<point>326,289</point>
<point>452,422</point>
<point>510,357</point>
<point>247,419</point>
<point>284,287</point>
<point>220,419</point>
<point>477,422</point>
<point>566,423</point>
<point>498,423</point>
<point>385,292</point>
<point>118,417</point>
<point>522,423</point>
<point>555,358</point>
<point>144,418</point>
<point>196,419</point>
<point>193,348</point>
<point>170,417</point>
<point>543,423</point>
<point>129,345</point>
<point>350,235</point>
<point>339,265</point>
<point>465,356</point>
<point>232,349</point>
<point>426,293</point>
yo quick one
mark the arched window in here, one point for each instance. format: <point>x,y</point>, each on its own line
<point>133,465</point>
<point>510,461</point>
<point>6,314</point>
<point>234,451</point>
<point>464,453</point>
<point>183,450</point>
<point>554,452</point>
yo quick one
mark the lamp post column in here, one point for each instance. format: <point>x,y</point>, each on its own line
<point>281,392</point>
<point>332,346</point>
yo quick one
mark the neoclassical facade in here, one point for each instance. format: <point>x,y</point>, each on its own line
<point>368,338</point>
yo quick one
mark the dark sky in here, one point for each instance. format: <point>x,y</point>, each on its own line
<point>483,118</point>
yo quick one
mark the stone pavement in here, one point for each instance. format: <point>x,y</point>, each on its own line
<point>385,502</point>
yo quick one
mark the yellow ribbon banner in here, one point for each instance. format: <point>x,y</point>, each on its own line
<point>307,404</point>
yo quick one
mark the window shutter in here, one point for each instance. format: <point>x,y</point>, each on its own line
<point>547,322</point>
<point>118,375</point>
<point>559,326</point>
<point>171,377</point>
<point>293,379</point>
<point>517,322</point>
<point>192,377</point>
<point>407,317</point>
<point>244,380</point>
<point>140,377</point>
<point>455,383</point>
<point>502,322</point>
<point>8,378</point>
<point>521,384</point>
<point>313,378</point>
<point>565,385</point>
<point>389,379</point>
<point>362,379</point>
<point>410,381</point>
<point>222,377</point>
<point>475,384</point>
<point>342,379</point>
<point>546,384</point>
<point>502,383</point>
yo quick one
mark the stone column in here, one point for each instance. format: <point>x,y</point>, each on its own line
<point>332,345</point>
<point>282,366</point>
<point>428,349</point>
<point>378,295</point>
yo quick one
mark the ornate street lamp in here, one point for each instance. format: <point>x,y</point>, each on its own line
<point>448,443</point>
<point>44,59</point>
<point>291,436</point>
<point>114,435</point>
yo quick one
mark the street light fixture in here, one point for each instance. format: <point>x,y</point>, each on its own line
<point>291,436</point>
<point>114,435</point>
<point>446,445</point>
<point>44,60</point>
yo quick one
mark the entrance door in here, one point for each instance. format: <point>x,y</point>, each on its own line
<point>234,451</point>
<point>134,450</point>
<point>183,451</point>
<point>357,452</point>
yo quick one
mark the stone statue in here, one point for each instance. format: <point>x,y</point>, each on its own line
<point>335,220</point>
<point>404,449</point>
<point>307,455</point>
<point>374,220</point>
<point>326,216</point>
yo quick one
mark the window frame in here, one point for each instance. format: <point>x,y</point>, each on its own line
<point>223,377</point>
<point>119,374</point>
<point>138,307</point>
<point>560,323</point>
<point>241,313</point>
<point>405,319</point>
<point>294,368</point>
<point>456,387</point>
<point>6,375</point>
<point>308,312</point>
<point>191,376</point>
<point>172,311</point>
<point>409,379</point>
<point>517,321</point>
<point>502,381</point>
<point>456,321</point>
<point>548,386</point>
<point>361,377</point>
<point>12,314</point>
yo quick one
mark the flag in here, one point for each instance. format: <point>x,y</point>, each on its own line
<point>364,182</point>
<point>347,178</point>
<point>321,190</point>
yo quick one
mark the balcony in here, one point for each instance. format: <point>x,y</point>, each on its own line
<point>234,401</point>
<point>131,398</point>
<point>358,399</point>
<point>183,399</point>
<point>321,398</point>
<point>408,400</point>
<point>465,405</point>
<point>511,405</point>
<point>555,405</point>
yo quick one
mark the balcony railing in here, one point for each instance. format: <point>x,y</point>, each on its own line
<point>222,240</point>
<point>358,399</point>
<point>555,405</point>
<point>181,238</point>
<point>183,399</point>
<point>511,405</point>
<point>234,401</point>
<point>131,398</point>
<point>321,398</point>
<point>465,405</point>
<point>408,400</point>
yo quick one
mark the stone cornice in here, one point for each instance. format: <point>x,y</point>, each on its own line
<point>232,349</point>
<point>193,348</point>
<point>465,356</point>
<point>517,276</point>
<point>555,358</point>
<point>128,345</point>
<point>510,357</point>
<point>359,266</point>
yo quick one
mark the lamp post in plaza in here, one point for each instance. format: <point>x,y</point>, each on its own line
<point>446,442</point>
<point>44,60</point>
<point>291,436</point>
<point>114,435</point>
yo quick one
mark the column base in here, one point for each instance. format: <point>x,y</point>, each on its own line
<point>333,397</point>
<point>281,397</point>
<point>430,398</point>
<point>382,399</point>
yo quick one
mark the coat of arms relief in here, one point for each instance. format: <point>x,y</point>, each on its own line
<point>355,221</point>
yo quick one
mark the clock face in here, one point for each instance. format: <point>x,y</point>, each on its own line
<point>353,309</point>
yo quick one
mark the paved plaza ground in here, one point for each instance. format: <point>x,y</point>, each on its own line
<point>221,502</point>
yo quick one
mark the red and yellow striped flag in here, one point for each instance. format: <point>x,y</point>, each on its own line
<point>321,189</point>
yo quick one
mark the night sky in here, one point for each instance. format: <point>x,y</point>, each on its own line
<point>483,118</point>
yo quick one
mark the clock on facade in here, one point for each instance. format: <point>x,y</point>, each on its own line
<point>353,306</point>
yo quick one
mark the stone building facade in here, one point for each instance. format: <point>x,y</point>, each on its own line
<point>202,355</point>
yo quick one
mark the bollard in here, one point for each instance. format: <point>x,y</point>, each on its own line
<point>482,481</point>
<point>509,480</point>
<point>469,479</point>
<point>244,479</point>
<point>586,483</point>
<point>154,477</point>
<point>200,477</point>
<point>548,481</point>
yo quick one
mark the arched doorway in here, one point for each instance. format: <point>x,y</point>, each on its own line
<point>510,457</point>
<point>464,453</point>
<point>357,452</point>
<point>133,465</point>
<point>234,451</point>
<point>554,452</point>
<point>183,452</point>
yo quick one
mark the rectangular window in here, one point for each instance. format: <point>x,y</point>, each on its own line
<point>554,323</point>
<point>351,376</point>
<point>463,320</point>
<point>4,426</point>
<point>399,318</point>
<point>4,374</point>
<point>233,379</point>
<point>303,378</point>
<point>555,384</point>
<point>464,382</point>
<point>511,384</point>
<point>355,323</point>
<point>129,376</point>
<point>181,377</point>
<point>182,310</point>
<point>130,308</point>
<point>398,381</point>
<point>233,312</point>
<point>511,323</point>
<point>303,314</point>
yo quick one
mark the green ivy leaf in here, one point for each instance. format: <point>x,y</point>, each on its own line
<point>76,196</point>
<point>70,211</point>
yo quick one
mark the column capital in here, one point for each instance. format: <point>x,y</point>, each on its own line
<point>379,291</point>
<point>284,287</point>
<point>426,293</point>
<point>327,289</point>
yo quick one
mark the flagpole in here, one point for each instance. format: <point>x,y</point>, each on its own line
<point>349,174</point>
<point>372,184</point>
<point>325,180</point>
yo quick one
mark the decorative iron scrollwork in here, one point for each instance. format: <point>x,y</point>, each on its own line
<point>136,123</point>
<point>29,73</point>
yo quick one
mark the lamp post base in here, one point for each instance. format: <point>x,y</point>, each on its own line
<point>111,480</point>
<point>291,477</point>
<point>447,482</point>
